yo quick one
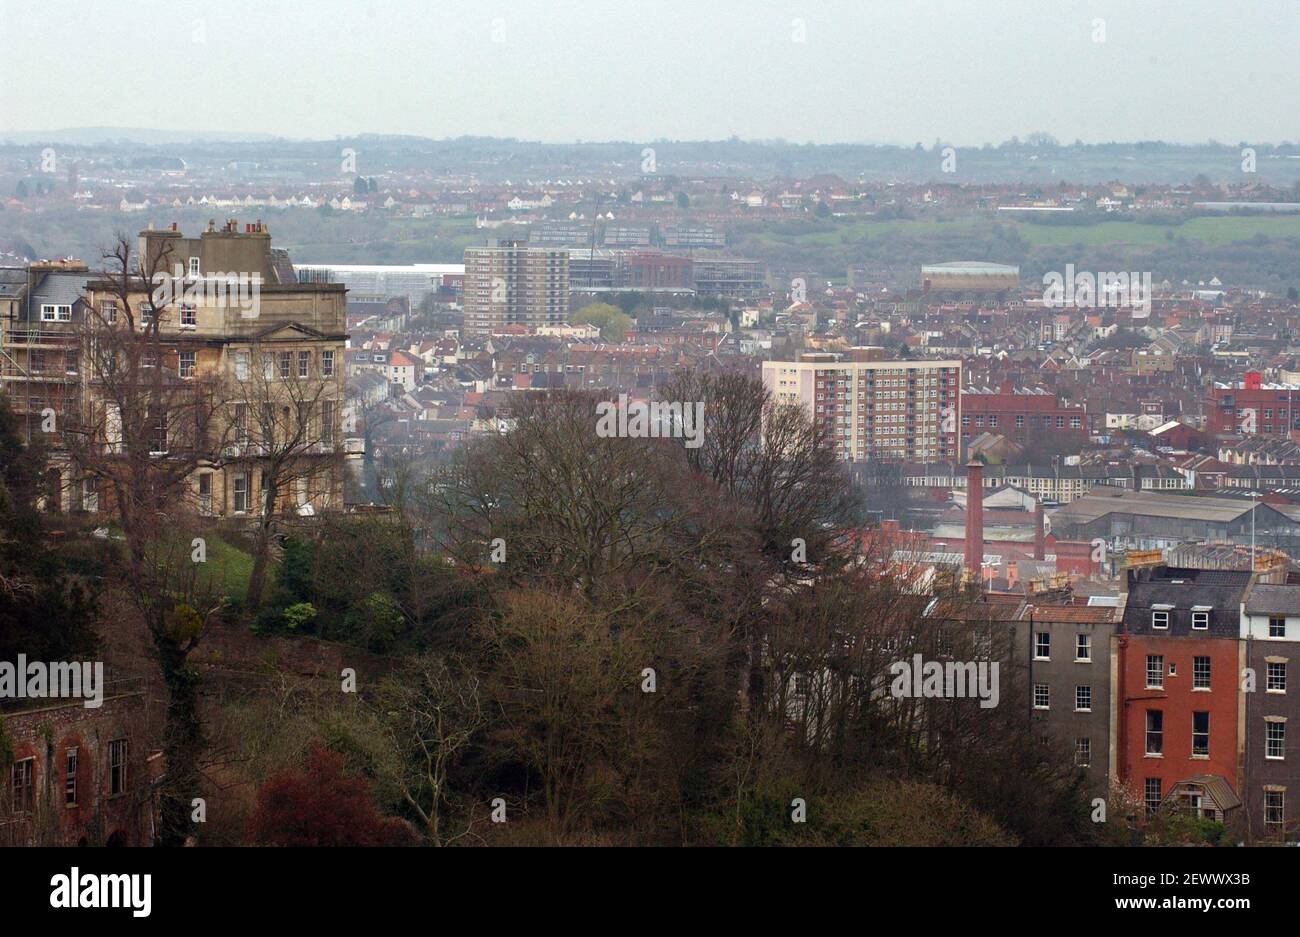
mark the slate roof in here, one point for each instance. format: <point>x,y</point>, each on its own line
<point>63,288</point>
<point>1221,590</point>
<point>1267,599</point>
<point>13,280</point>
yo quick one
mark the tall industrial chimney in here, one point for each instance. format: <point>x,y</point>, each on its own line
<point>1040,536</point>
<point>974,518</point>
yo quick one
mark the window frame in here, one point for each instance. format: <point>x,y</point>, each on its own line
<point>1201,750</point>
<point>1208,670</point>
<point>23,770</point>
<point>1080,691</point>
<point>1159,671</point>
<point>118,767</point>
<point>1269,740</point>
<point>1279,807</point>
<point>1154,717</point>
<point>70,777</point>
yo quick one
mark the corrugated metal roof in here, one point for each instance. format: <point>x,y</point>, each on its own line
<point>1092,506</point>
<point>1215,786</point>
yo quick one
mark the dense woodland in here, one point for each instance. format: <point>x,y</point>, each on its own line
<point>596,640</point>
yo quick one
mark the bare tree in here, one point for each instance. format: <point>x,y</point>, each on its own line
<point>430,712</point>
<point>285,420</point>
<point>146,423</point>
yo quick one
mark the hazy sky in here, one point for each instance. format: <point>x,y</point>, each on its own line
<point>881,71</point>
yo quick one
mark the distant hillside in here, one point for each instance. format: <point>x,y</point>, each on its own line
<point>91,136</point>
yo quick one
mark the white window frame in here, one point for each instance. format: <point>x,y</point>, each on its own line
<point>1206,733</point>
<point>1281,740</point>
<point>1280,807</point>
<point>1148,732</point>
<point>236,492</point>
<point>1083,752</point>
<point>1195,677</point>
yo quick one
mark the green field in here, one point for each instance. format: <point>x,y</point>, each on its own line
<point>1208,230</point>
<point>230,567</point>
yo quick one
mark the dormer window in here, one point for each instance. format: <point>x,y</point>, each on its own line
<point>1200,618</point>
<point>1160,619</point>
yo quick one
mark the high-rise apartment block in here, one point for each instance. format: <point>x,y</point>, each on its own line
<point>511,283</point>
<point>875,409</point>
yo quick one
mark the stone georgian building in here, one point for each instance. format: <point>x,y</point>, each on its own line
<point>240,324</point>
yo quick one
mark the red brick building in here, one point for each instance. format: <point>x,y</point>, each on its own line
<point>1018,413</point>
<point>1177,688</point>
<point>1076,557</point>
<point>1252,407</point>
<point>77,776</point>
<point>646,270</point>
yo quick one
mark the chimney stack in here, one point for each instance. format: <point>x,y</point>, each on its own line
<point>1040,537</point>
<point>974,518</point>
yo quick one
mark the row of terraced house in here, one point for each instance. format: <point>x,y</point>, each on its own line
<point>1182,694</point>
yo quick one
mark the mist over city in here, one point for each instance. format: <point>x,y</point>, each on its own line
<point>565,424</point>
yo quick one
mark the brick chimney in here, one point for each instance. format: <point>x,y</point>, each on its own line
<point>974,517</point>
<point>1040,537</point>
